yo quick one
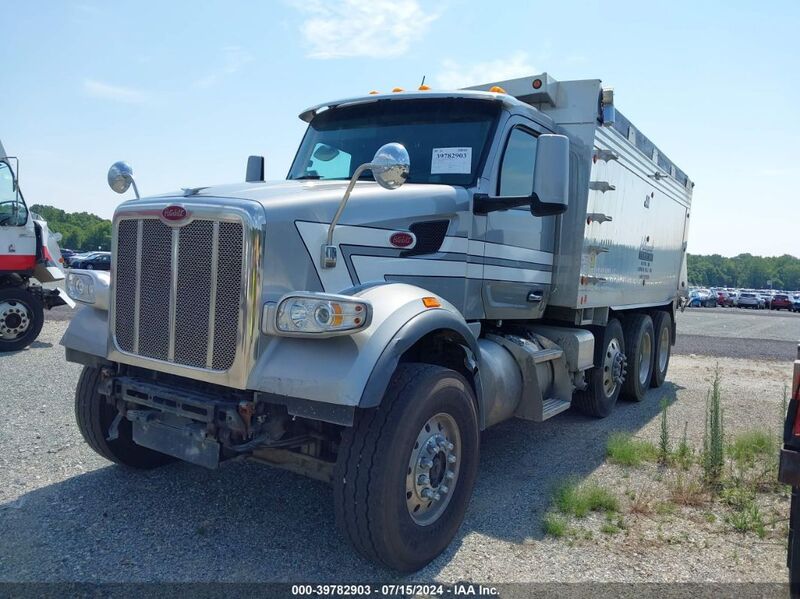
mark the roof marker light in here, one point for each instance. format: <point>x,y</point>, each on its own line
<point>424,88</point>
<point>374,92</point>
<point>398,89</point>
<point>496,89</point>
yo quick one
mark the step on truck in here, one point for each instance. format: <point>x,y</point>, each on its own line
<point>435,263</point>
<point>29,256</point>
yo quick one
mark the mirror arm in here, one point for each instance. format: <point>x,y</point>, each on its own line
<point>539,208</point>
<point>484,204</point>
<point>135,189</point>
<point>328,256</point>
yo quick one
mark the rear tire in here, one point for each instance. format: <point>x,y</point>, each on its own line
<point>94,416</point>
<point>377,497</point>
<point>21,318</point>
<point>662,328</point>
<point>604,380</point>
<point>640,343</point>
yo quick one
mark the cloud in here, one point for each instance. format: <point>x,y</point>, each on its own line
<point>116,93</point>
<point>373,28</point>
<point>454,75</point>
<point>231,60</point>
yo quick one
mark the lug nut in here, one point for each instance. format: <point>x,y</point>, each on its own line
<point>436,497</point>
<point>425,463</point>
<point>443,489</point>
<point>423,479</point>
<point>449,475</point>
<point>451,459</point>
<point>449,446</point>
<point>427,493</point>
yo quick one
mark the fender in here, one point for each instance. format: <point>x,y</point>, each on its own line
<point>354,370</point>
<point>415,329</point>
<point>86,337</point>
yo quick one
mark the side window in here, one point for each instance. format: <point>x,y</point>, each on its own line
<point>12,208</point>
<point>516,172</point>
<point>328,162</point>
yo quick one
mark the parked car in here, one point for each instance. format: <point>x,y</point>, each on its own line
<point>94,261</point>
<point>750,300</point>
<point>724,298</point>
<point>796,303</point>
<point>780,301</point>
<point>702,298</point>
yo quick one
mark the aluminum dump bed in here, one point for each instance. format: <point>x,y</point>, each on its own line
<point>622,242</point>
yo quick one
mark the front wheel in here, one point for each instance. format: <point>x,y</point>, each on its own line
<point>21,318</point>
<point>405,470</point>
<point>95,417</point>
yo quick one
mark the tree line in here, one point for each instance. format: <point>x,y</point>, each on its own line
<point>744,271</point>
<point>80,231</point>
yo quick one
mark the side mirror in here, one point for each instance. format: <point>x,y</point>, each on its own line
<point>390,167</point>
<point>120,178</point>
<point>551,175</point>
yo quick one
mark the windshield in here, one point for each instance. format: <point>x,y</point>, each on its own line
<point>446,139</point>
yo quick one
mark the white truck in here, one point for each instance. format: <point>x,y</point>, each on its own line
<point>335,325</point>
<point>29,255</point>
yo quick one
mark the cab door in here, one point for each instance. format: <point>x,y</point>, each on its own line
<point>17,234</point>
<point>518,248</point>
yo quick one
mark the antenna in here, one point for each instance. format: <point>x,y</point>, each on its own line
<point>423,81</point>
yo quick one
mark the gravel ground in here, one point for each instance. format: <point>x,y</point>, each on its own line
<point>68,515</point>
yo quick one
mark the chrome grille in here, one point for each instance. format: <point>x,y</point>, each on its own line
<point>178,291</point>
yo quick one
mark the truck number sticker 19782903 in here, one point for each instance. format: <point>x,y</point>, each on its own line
<point>451,160</point>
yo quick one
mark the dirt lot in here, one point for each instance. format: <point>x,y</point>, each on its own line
<point>68,515</point>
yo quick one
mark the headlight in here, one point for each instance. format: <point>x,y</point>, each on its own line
<point>89,287</point>
<point>321,315</point>
<point>80,287</point>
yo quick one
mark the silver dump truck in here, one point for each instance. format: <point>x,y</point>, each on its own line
<point>509,251</point>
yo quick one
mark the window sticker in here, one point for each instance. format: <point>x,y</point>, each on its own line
<point>451,161</point>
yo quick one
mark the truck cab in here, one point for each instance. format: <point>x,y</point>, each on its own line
<point>434,263</point>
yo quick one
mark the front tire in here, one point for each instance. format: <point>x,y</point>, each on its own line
<point>406,469</point>
<point>640,343</point>
<point>95,415</point>
<point>21,318</point>
<point>605,379</point>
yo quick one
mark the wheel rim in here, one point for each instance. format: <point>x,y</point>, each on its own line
<point>15,320</point>
<point>663,349</point>
<point>613,367</point>
<point>645,357</point>
<point>433,469</point>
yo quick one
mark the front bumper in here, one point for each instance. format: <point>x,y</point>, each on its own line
<point>789,468</point>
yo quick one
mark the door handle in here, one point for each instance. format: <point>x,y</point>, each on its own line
<point>535,296</point>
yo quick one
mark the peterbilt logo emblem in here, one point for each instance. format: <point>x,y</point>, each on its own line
<point>174,213</point>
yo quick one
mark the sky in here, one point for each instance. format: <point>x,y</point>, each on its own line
<point>186,90</point>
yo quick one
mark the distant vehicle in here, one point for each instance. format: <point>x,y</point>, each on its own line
<point>796,303</point>
<point>93,261</point>
<point>749,300</point>
<point>724,298</point>
<point>67,254</point>
<point>702,298</point>
<point>780,301</point>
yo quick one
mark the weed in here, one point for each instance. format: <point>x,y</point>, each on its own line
<point>555,525</point>
<point>687,491</point>
<point>609,528</point>
<point>623,449</point>
<point>578,500</point>
<point>684,454</point>
<point>663,441</point>
<point>710,518</point>
<point>642,502</point>
<point>748,519</point>
<point>714,436</point>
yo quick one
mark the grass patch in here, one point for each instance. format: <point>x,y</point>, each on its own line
<point>751,447</point>
<point>748,519</point>
<point>623,449</point>
<point>578,500</point>
<point>555,525</point>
